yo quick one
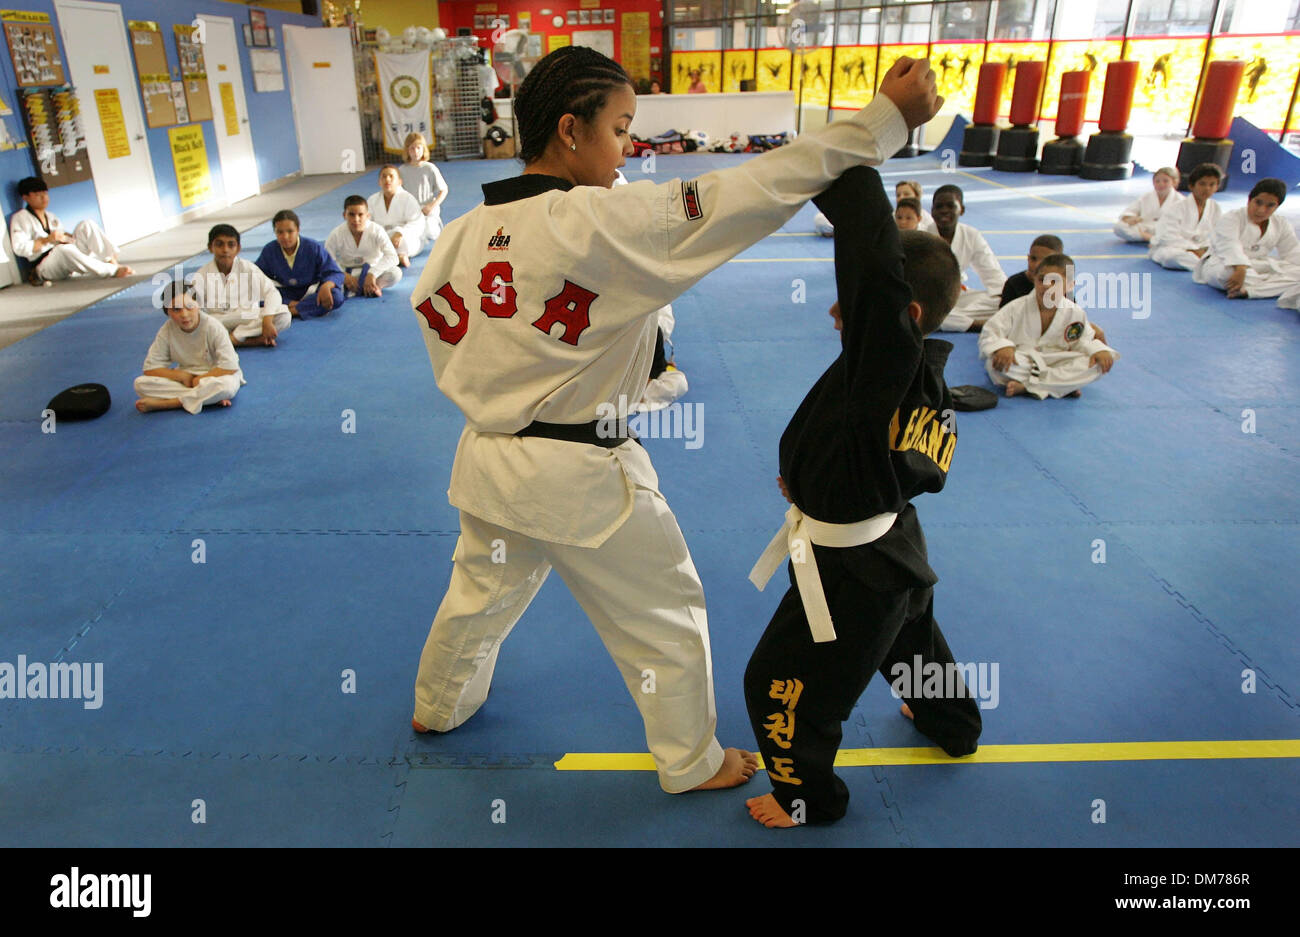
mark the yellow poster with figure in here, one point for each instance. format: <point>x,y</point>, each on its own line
<point>773,69</point>
<point>1083,55</point>
<point>957,73</point>
<point>1272,63</point>
<point>1169,71</point>
<point>812,71</point>
<point>190,160</point>
<point>557,42</point>
<point>1013,53</point>
<point>855,76</point>
<point>688,66</point>
<point>112,123</point>
<point>737,66</point>
<point>228,108</point>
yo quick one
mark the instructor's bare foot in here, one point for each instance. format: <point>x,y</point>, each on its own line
<point>146,404</point>
<point>1014,387</point>
<point>738,766</point>
<point>768,812</point>
<point>906,711</point>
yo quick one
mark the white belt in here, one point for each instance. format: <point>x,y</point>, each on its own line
<point>796,538</point>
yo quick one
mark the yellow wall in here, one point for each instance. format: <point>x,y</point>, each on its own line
<point>396,15</point>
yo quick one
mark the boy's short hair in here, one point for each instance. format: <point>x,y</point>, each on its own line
<point>30,185</point>
<point>1203,170</point>
<point>912,204</point>
<point>911,184</point>
<point>931,270</point>
<point>223,230</point>
<point>355,200</point>
<point>1050,241</point>
<point>1169,171</point>
<point>1062,262</point>
<point>954,189</point>
<point>1274,187</point>
<point>285,214</point>
<point>175,289</point>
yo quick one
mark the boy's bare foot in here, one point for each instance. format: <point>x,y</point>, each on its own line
<point>1075,393</point>
<point>293,309</point>
<point>1014,387</point>
<point>768,812</point>
<point>145,404</point>
<point>738,766</point>
<point>225,403</point>
<point>123,271</point>
<point>404,260</point>
<point>907,711</point>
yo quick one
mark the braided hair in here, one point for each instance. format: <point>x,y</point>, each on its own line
<point>571,80</point>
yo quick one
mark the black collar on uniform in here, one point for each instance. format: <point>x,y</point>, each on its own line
<point>521,187</point>
<point>44,224</point>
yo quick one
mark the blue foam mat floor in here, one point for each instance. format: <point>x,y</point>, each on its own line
<point>326,553</point>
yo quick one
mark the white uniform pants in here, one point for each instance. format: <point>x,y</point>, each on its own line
<point>432,226</point>
<point>384,280</point>
<point>642,593</point>
<point>973,306</point>
<point>1175,258</point>
<point>1134,233</point>
<point>242,327</point>
<point>409,246</point>
<point>90,253</point>
<point>1264,278</point>
<point>193,399</point>
<point>1063,377</point>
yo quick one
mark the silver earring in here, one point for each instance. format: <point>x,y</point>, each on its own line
<point>574,147</point>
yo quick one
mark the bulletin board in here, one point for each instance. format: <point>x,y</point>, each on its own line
<point>32,48</point>
<point>151,66</point>
<point>194,73</point>
<point>53,118</point>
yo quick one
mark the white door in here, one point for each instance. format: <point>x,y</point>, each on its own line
<point>229,109</point>
<point>99,60</point>
<point>323,87</point>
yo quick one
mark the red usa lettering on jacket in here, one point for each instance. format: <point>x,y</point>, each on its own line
<point>497,300</point>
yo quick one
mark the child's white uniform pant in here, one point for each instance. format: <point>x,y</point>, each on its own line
<point>243,326</point>
<point>641,591</point>
<point>1265,278</point>
<point>90,253</point>
<point>972,306</point>
<point>1175,258</point>
<point>1047,374</point>
<point>193,399</point>
<point>1133,233</point>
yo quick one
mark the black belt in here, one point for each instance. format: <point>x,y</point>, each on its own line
<point>577,432</point>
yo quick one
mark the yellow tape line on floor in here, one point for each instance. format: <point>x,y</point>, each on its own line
<point>990,754</point>
<point>827,260</point>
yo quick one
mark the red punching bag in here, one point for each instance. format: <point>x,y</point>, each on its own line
<point>988,93</point>
<point>1028,89</point>
<point>1109,150</point>
<point>1218,95</point>
<point>1117,98</point>
<point>1073,103</point>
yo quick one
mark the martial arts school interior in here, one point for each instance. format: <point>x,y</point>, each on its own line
<point>211,617</point>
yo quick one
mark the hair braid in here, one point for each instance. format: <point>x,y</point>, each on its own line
<point>571,80</point>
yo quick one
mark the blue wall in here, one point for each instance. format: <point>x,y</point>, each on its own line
<point>270,114</point>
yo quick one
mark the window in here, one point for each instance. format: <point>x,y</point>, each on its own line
<point>962,20</point>
<point>1024,19</point>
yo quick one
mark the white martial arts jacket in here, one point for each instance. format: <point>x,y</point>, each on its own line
<point>1237,241</point>
<point>1149,209</point>
<point>208,346</point>
<point>540,304</point>
<point>1179,227</point>
<point>974,252</point>
<point>375,248</point>
<point>402,214</point>
<point>242,290</point>
<point>1019,325</point>
<point>25,229</point>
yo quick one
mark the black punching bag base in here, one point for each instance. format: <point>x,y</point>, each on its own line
<point>978,144</point>
<point>1192,152</point>
<point>1108,157</point>
<point>1062,157</point>
<point>1017,150</point>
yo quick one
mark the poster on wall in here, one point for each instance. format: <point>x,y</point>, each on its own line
<point>636,45</point>
<point>151,67</point>
<point>190,160</point>
<point>178,101</point>
<point>112,123</point>
<point>261,32</point>
<point>268,74</point>
<point>53,119</point>
<point>32,48</point>
<point>194,73</point>
<point>609,16</point>
<point>405,102</point>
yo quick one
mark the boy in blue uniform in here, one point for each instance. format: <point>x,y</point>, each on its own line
<point>875,431</point>
<point>308,278</point>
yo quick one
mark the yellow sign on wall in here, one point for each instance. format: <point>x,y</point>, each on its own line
<point>228,108</point>
<point>636,44</point>
<point>1270,77</point>
<point>773,69</point>
<point>190,159</point>
<point>957,73</point>
<point>111,123</point>
<point>737,66</point>
<point>855,76</point>
<point>556,42</point>
<point>814,68</point>
<point>1084,55</point>
<point>1168,72</point>
<point>708,64</point>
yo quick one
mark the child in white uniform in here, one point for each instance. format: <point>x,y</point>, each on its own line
<point>423,180</point>
<point>37,236</point>
<point>396,211</point>
<point>363,251</point>
<point>1138,221</point>
<point>1183,231</point>
<point>539,310</point>
<point>1041,343</point>
<point>238,294</point>
<point>1253,252</point>
<point>207,367</point>
<point>973,306</point>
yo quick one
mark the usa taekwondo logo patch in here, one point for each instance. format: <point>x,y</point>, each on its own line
<point>499,241</point>
<point>691,200</point>
<point>1073,331</point>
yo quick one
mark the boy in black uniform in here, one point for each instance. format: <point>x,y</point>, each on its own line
<point>875,431</point>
